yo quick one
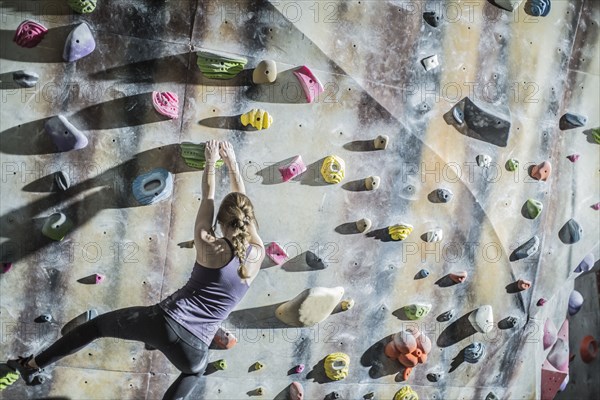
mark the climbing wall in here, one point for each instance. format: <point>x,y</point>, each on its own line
<point>367,55</point>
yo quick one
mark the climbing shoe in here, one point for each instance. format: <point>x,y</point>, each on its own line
<point>7,376</point>
<point>30,375</point>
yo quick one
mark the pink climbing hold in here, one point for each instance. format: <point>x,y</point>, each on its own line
<point>166,103</point>
<point>296,391</point>
<point>596,206</point>
<point>573,157</point>
<point>276,253</point>
<point>542,171</point>
<point>99,278</point>
<point>299,368</point>
<point>541,302</point>
<point>6,266</point>
<point>556,367</point>
<point>293,169</point>
<point>29,34</point>
<point>310,83</point>
<point>523,284</point>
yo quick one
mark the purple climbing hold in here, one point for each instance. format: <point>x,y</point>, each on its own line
<point>79,44</point>
<point>64,135</point>
<point>538,8</point>
<point>573,157</point>
<point>299,368</point>
<point>575,302</point>
<point>541,302</point>
<point>586,264</point>
<point>596,206</point>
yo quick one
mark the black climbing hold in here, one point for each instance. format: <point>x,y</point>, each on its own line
<point>492,126</point>
<point>458,115</point>
<point>62,180</point>
<point>25,79</point>
<point>314,261</point>
<point>433,376</point>
<point>571,121</point>
<point>334,395</point>
<point>44,318</point>
<point>432,18</point>
<point>491,396</point>
<point>446,316</point>
<point>527,249</point>
<point>571,232</point>
<point>508,323</point>
<point>444,195</point>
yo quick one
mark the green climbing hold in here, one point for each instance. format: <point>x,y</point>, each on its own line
<point>219,66</point>
<point>193,155</point>
<point>512,164</point>
<point>417,311</point>
<point>82,6</point>
<point>57,226</point>
<point>7,378</point>
<point>534,208</point>
<point>596,135</point>
<point>220,364</point>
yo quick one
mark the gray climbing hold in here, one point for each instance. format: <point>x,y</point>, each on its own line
<point>432,18</point>
<point>444,195</point>
<point>474,352</point>
<point>446,316</point>
<point>430,62</point>
<point>434,376</point>
<point>491,395</point>
<point>538,8</point>
<point>79,43</point>
<point>422,274</point>
<point>527,249</point>
<point>483,160</point>
<point>508,5</point>
<point>458,115</point>
<point>64,134</point>
<point>571,232</point>
<point>483,123</point>
<point>314,261</point>
<point>25,79</point>
<point>586,264</point>
<point>45,318</point>
<point>572,121</point>
<point>61,180</point>
<point>153,187</point>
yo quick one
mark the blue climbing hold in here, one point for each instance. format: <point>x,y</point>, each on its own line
<point>539,8</point>
<point>153,187</point>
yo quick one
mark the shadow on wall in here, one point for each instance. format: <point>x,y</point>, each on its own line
<point>256,318</point>
<point>375,358</point>
<point>144,71</point>
<point>108,115</point>
<point>24,232</point>
<point>456,331</point>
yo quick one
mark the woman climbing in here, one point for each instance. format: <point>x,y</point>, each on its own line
<point>183,325</point>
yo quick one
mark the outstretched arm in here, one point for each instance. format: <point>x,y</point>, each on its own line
<point>228,156</point>
<point>206,212</point>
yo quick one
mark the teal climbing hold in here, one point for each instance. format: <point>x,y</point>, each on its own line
<point>216,65</point>
<point>57,226</point>
<point>82,6</point>
<point>534,208</point>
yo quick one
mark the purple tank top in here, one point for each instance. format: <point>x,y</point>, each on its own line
<point>207,298</point>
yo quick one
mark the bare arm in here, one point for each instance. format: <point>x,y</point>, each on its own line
<point>228,156</point>
<point>206,212</point>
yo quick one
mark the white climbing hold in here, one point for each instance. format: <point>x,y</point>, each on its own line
<point>482,319</point>
<point>435,235</point>
<point>310,307</point>
<point>430,62</point>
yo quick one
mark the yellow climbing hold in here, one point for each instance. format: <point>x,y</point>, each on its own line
<point>406,393</point>
<point>337,365</point>
<point>259,119</point>
<point>8,379</point>
<point>400,231</point>
<point>333,169</point>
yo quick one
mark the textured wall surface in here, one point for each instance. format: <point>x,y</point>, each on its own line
<point>367,55</point>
